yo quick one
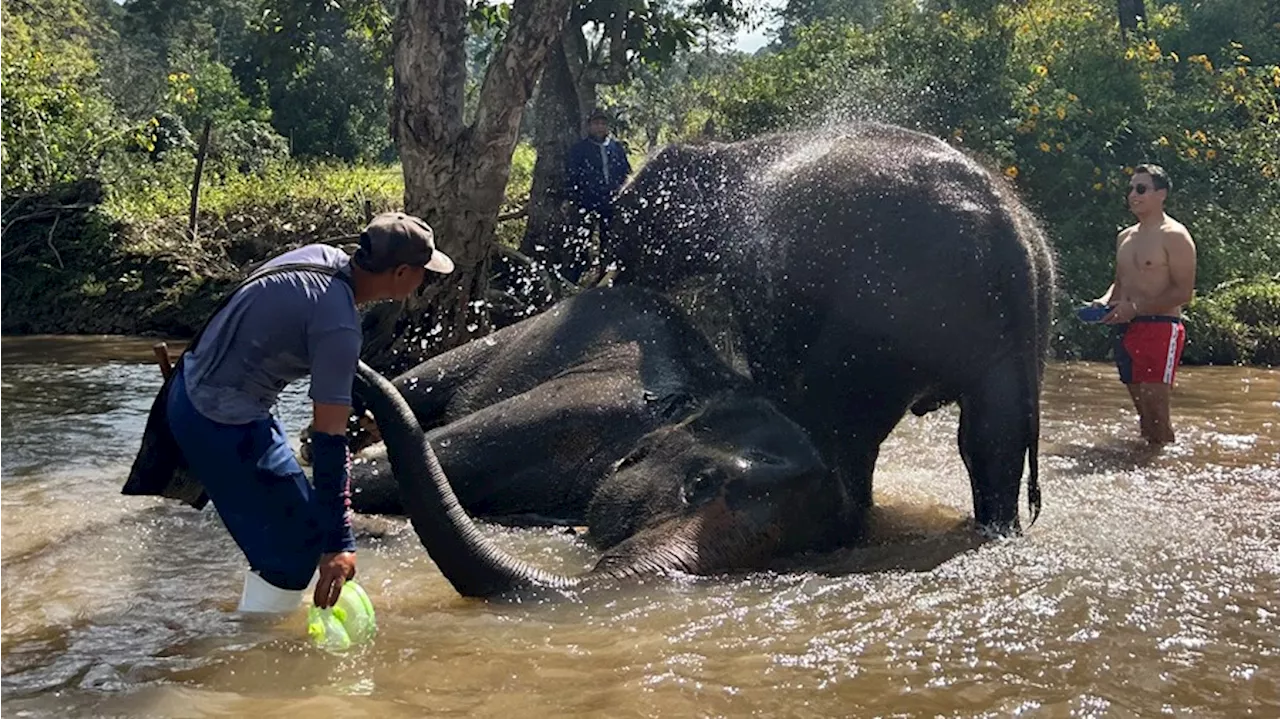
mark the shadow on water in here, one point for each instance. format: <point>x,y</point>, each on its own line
<point>1108,455</point>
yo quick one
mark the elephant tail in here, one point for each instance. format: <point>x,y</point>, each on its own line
<point>1032,277</point>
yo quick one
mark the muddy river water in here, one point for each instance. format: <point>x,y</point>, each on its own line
<point>1149,586</point>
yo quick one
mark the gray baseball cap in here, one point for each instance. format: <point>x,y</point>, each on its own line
<point>394,238</point>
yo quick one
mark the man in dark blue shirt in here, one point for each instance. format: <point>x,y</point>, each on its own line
<point>276,329</point>
<point>597,168</point>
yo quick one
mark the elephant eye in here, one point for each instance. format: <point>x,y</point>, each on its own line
<point>701,486</point>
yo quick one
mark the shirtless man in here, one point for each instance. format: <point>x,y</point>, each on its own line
<point>1155,277</point>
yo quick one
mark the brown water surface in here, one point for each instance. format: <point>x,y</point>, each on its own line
<point>1149,586</point>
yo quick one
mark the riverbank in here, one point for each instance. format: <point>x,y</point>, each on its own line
<point>95,258</point>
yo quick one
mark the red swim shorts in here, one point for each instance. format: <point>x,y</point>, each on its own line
<point>1149,348</point>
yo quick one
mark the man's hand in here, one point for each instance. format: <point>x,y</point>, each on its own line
<point>1121,313</point>
<point>335,570</point>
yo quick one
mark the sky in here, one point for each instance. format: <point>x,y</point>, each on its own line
<point>754,39</point>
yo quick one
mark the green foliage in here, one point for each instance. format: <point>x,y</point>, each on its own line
<point>668,102</point>
<point>800,86</point>
<point>164,191</point>
<point>318,72</point>
<point>1238,324</point>
<point>796,15</point>
<point>55,123</point>
<point>201,88</point>
<point>326,68</point>
<point>1048,93</point>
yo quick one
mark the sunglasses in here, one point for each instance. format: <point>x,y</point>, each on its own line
<point>1139,188</point>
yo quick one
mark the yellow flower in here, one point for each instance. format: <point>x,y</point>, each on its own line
<point>1128,54</point>
<point>1244,59</point>
<point>1034,110</point>
<point>1210,154</point>
<point>1072,97</point>
<point>1199,136</point>
<point>173,77</point>
<point>1044,147</point>
<point>1128,170</point>
<point>1011,171</point>
<point>1097,186</point>
<point>1241,71</point>
<point>1041,70</point>
<point>1192,152</point>
<point>1060,147</point>
<point>1163,141</point>
<point>1062,113</point>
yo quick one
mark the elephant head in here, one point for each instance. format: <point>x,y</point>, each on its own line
<point>729,488</point>
<point>691,498</point>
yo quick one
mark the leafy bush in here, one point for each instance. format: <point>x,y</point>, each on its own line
<point>55,124</point>
<point>1214,336</point>
<point>247,145</point>
<point>1049,94</point>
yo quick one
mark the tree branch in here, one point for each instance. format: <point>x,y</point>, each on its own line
<point>514,72</point>
<point>49,241</point>
<point>48,211</point>
<point>522,212</point>
<point>554,288</point>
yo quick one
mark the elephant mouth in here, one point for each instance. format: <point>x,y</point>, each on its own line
<point>713,540</point>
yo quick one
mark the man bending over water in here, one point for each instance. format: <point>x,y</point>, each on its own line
<point>1155,277</point>
<point>296,318</point>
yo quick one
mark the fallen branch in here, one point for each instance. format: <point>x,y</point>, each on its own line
<point>52,228</point>
<point>522,212</point>
<point>47,211</point>
<point>555,286</point>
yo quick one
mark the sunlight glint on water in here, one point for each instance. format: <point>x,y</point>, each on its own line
<point>1149,585</point>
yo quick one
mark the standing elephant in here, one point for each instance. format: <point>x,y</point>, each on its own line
<point>871,270</point>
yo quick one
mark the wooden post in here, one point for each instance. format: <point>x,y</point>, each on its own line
<point>195,183</point>
<point>162,358</point>
<point>368,211</point>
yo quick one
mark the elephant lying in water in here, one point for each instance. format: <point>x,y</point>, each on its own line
<point>610,410</point>
<point>871,270</point>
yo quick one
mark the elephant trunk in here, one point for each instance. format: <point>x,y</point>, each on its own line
<point>473,564</point>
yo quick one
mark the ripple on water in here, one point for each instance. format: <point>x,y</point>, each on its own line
<point>1150,584</point>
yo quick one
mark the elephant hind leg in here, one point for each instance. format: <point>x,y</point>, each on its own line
<point>995,435</point>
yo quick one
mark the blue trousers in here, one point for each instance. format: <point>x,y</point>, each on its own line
<point>257,486</point>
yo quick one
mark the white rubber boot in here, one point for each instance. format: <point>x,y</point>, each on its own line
<point>261,596</point>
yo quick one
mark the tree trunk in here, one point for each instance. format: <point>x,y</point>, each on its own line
<point>560,111</point>
<point>566,97</point>
<point>1130,11</point>
<point>455,175</point>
